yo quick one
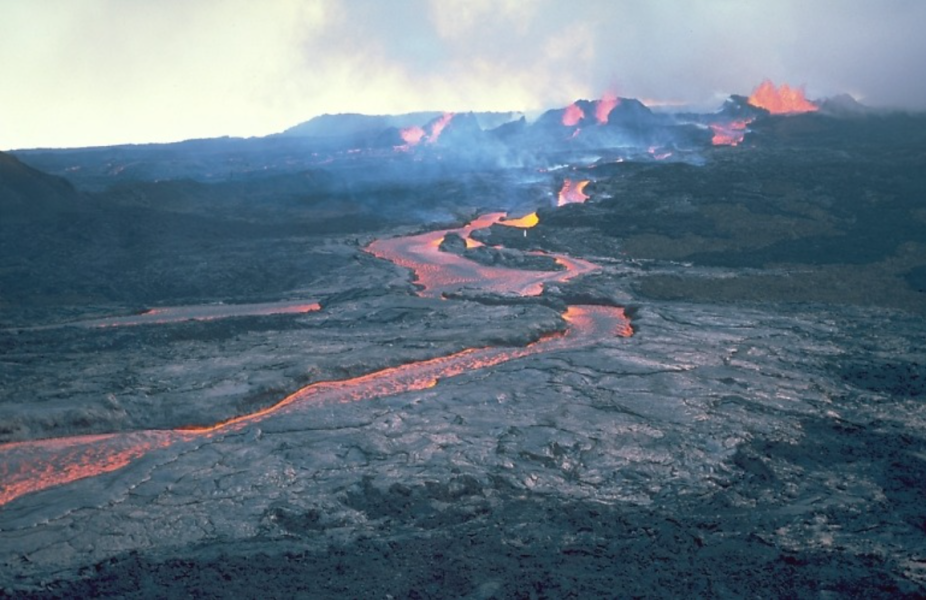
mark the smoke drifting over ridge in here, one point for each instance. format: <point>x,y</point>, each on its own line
<point>107,71</point>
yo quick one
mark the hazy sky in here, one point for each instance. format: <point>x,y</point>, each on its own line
<point>92,72</point>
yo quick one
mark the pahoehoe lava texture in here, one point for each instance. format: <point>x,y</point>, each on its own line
<point>761,434</point>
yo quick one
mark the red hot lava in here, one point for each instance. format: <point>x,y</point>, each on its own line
<point>604,107</point>
<point>27,467</point>
<point>729,134</point>
<point>438,273</point>
<point>781,100</point>
<point>412,135</point>
<point>572,115</point>
<point>572,192</point>
<point>438,126</point>
<point>525,222</point>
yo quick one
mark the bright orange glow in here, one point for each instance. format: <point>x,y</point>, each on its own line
<point>729,134</point>
<point>572,192</point>
<point>27,467</point>
<point>604,107</point>
<point>439,273</point>
<point>781,100</point>
<point>412,135</point>
<point>438,126</point>
<point>525,222</point>
<point>572,115</point>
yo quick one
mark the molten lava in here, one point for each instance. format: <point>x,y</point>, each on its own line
<point>439,273</point>
<point>604,107</point>
<point>782,100</point>
<point>729,134</point>
<point>412,135</point>
<point>438,126</point>
<point>525,222</point>
<point>572,115</point>
<point>27,467</point>
<point>572,192</point>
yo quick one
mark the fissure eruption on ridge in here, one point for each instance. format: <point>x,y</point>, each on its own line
<point>780,100</point>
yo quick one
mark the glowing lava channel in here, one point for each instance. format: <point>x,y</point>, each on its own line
<point>572,192</point>
<point>32,466</point>
<point>729,134</point>
<point>439,273</point>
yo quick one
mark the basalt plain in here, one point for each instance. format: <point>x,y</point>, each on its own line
<point>761,432</point>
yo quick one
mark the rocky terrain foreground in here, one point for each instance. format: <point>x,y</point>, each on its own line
<point>760,433</point>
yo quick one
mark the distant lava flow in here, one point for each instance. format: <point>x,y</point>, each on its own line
<point>31,466</point>
<point>604,107</point>
<point>439,273</point>
<point>572,192</point>
<point>729,134</point>
<point>572,115</point>
<point>205,312</point>
<point>781,100</point>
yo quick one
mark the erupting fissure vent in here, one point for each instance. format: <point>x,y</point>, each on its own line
<point>781,100</point>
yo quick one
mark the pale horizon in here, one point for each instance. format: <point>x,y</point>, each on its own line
<point>106,72</point>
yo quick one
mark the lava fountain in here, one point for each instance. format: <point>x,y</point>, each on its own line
<point>604,107</point>
<point>438,126</point>
<point>572,114</point>
<point>782,100</point>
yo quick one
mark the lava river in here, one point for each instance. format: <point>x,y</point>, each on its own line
<point>32,466</point>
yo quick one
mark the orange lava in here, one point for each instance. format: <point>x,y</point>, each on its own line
<point>439,273</point>
<point>525,222</point>
<point>412,135</point>
<point>781,100</point>
<point>572,115</point>
<point>27,467</point>
<point>572,192</point>
<point>438,126</point>
<point>729,134</point>
<point>604,107</point>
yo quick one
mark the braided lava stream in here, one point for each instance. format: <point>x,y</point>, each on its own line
<point>31,466</point>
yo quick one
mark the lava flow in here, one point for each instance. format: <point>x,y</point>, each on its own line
<point>572,115</point>
<point>604,107</point>
<point>780,100</point>
<point>729,134</point>
<point>572,192</point>
<point>525,222</point>
<point>439,273</point>
<point>31,466</point>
